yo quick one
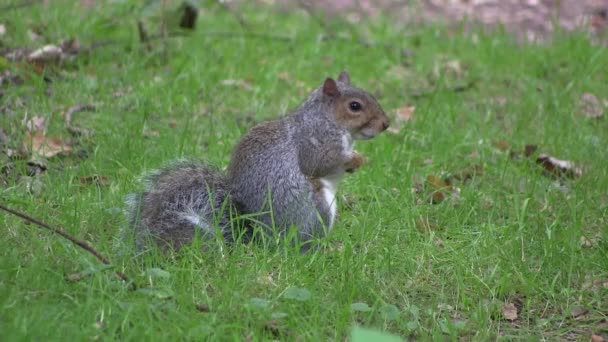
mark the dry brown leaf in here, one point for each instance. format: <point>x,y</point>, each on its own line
<point>237,83</point>
<point>509,312</point>
<point>36,124</point>
<point>46,54</point>
<point>172,123</point>
<point>189,15</point>
<point>465,174</point>
<point>403,114</point>
<point>45,146</point>
<point>438,195</point>
<point>200,307</point>
<point>585,242</point>
<point>95,179</point>
<point>597,338</point>
<point>502,145</point>
<point>76,277</point>
<point>558,167</point>
<point>578,311</point>
<point>438,242</point>
<point>590,106</point>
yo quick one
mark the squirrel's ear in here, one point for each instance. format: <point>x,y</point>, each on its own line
<point>344,78</point>
<point>330,88</point>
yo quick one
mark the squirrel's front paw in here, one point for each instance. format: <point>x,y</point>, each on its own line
<point>356,161</point>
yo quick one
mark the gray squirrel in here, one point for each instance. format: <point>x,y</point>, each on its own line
<point>283,173</point>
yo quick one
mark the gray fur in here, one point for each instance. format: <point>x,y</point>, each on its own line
<point>173,198</point>
<point>285,172</point>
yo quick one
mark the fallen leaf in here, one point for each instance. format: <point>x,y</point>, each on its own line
<point>597,338</point>
<point>509,312</point>
<point>578,311</point>
<point>273,327</point>
<point>37,165</point>
<point>438,195</point>
<point>36,124</point>
<point>189,15</point>
<point>502,145</point>
<point>95,179</point>
<point>237,83</point>
<point>202,307</point>
<point>529,150</point>
<point>585,242</point>
<point>438,242</point>
<point>465,174</point>
<point>76,277</point>
<point>45,146</point>
<point>557,167</point>
<point>403,114</point>
<point>47,53</point>
<point>590,106</point>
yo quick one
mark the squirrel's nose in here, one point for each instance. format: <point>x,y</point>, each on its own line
<point>385,125</point>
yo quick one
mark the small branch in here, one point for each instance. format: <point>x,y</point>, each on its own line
<point>239,18</point>
<point>82,244</point>
<point>328,31</point>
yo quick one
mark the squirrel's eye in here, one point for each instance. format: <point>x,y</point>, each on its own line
<point>355,106</point>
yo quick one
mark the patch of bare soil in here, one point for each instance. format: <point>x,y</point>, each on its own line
<point>534,20</point>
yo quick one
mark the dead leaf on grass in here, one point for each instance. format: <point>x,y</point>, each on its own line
<point>598,338</point>
<point>76,277</point>
<point>53,54</point>
<point>578,311</point>
<point>502,145</point>
<point>465,174</point>
<point>189,15</point>
<point>95,179</point>
<point>557,167</point>
<point>46,146</point>
<point>585,242</point>
<point>402,115</point>
<point>200,307</point>
<point>438,195</point>
<point>36,124</point>
<point>590,107</point>
<point>509,312</point>
<point>243,84</point>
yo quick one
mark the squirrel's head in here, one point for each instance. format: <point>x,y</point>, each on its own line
<point>354,109</point>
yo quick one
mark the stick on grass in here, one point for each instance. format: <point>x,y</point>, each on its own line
<point>82,244</point>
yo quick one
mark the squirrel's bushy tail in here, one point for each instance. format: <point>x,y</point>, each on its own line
<point>180,201</point>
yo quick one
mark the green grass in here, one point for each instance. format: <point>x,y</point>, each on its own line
<point>512,236</point>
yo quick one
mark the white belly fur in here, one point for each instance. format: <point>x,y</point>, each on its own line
<point>330,187</point>
<point>330,183</point>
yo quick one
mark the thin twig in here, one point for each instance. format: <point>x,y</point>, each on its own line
<point>322,23</point>
<point>82,244</point>
<point>239,18</point>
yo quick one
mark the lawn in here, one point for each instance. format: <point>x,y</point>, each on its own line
<point>450,231</point>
